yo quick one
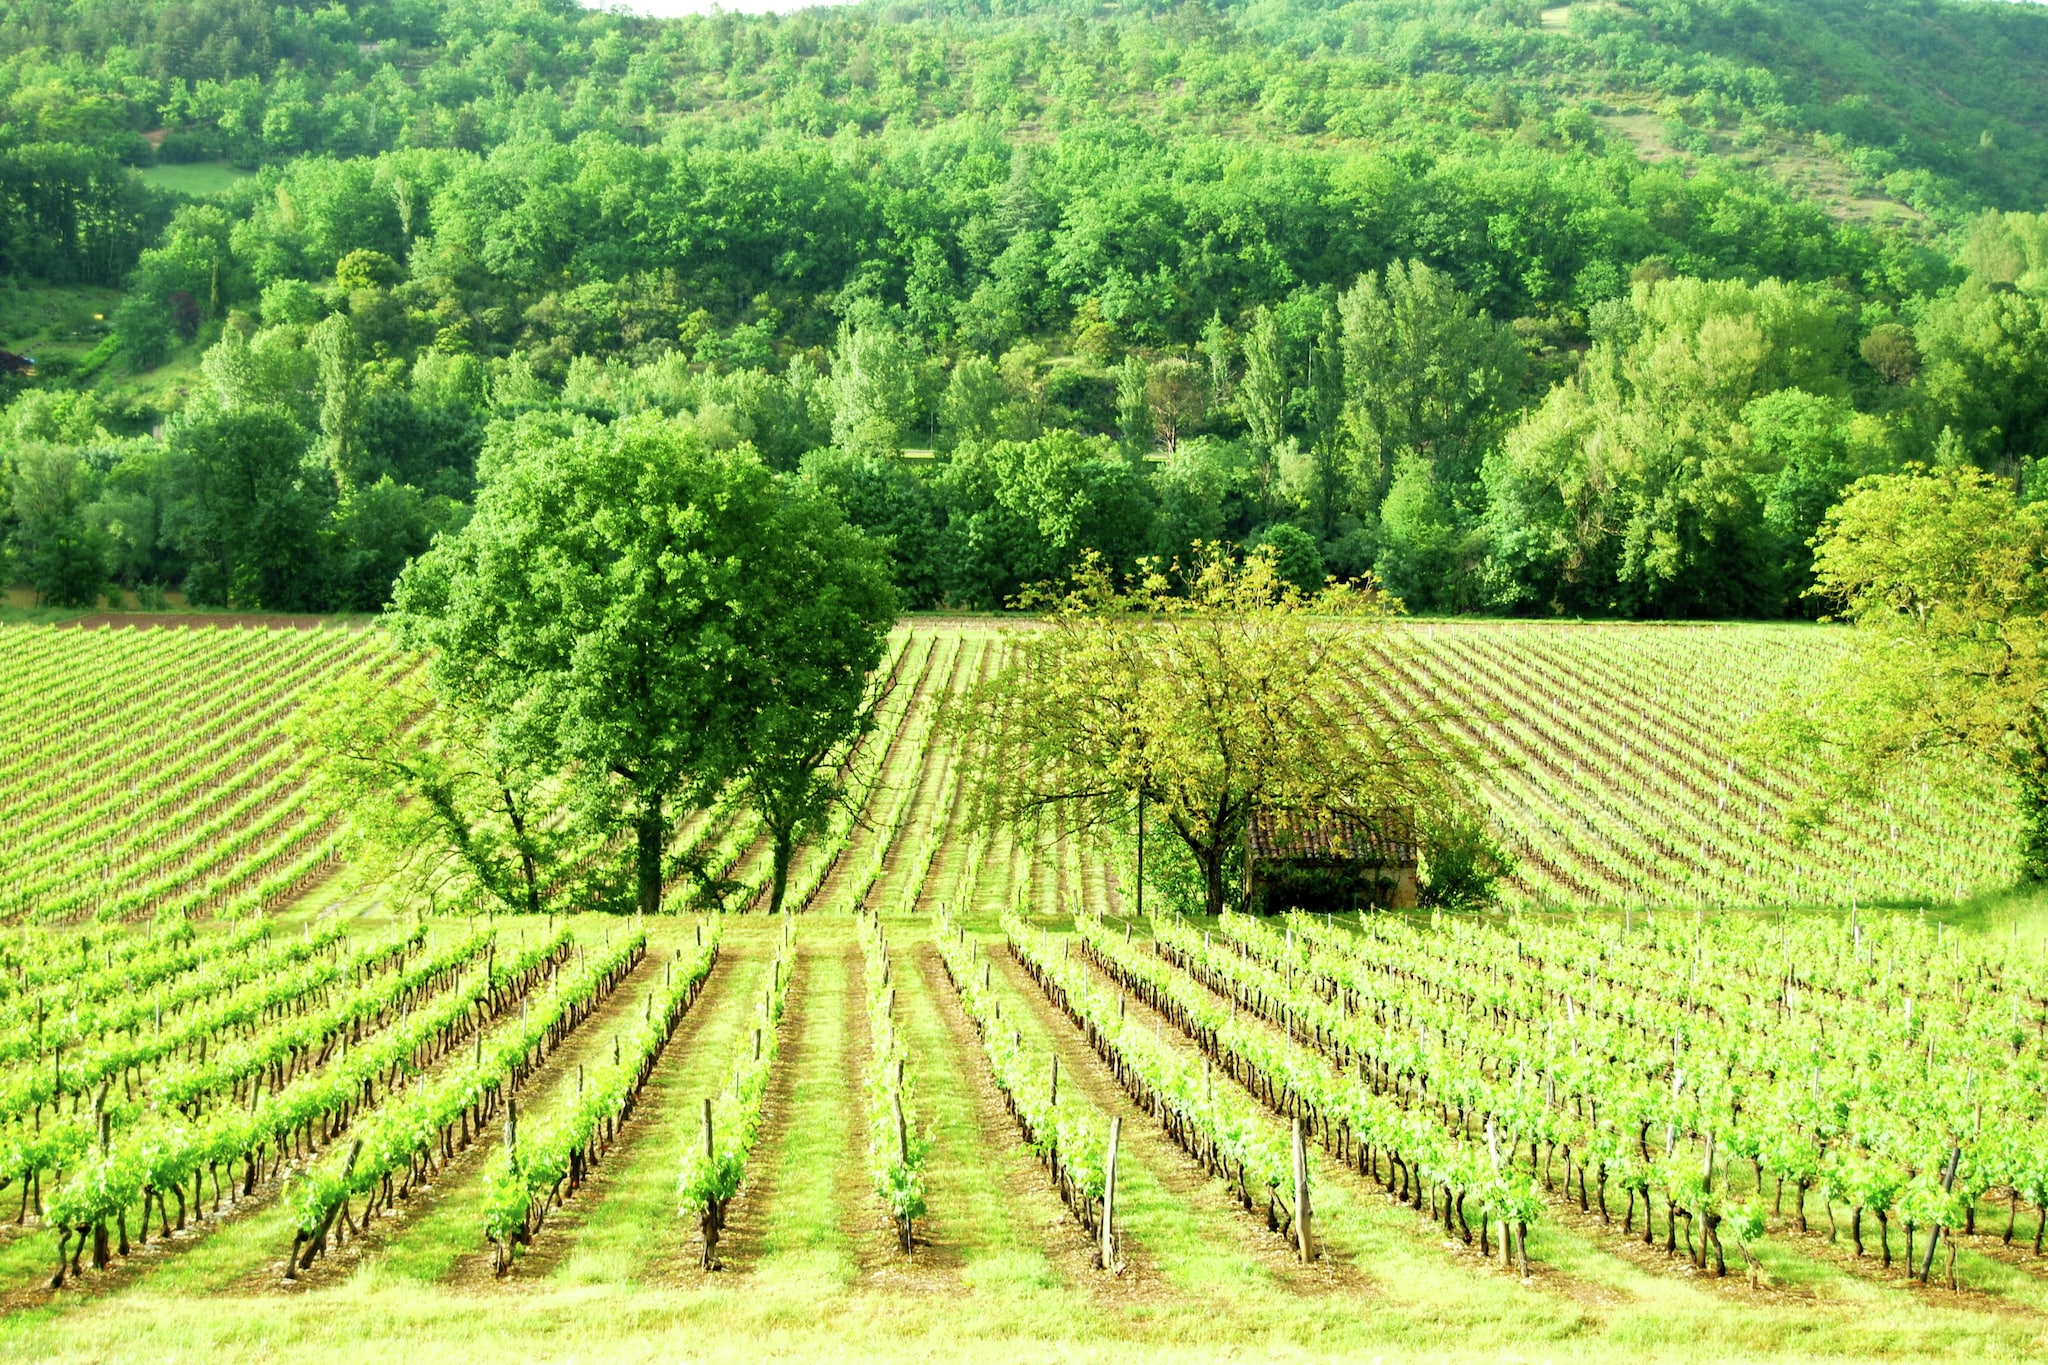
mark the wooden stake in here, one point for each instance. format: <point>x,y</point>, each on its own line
<point>1306,1244</point>
<point>1109,1257</point>
<point>1948,1182</point>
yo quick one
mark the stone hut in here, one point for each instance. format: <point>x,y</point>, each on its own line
<point>1331,861</point>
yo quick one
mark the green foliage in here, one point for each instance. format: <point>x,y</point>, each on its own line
<point>1297,559</point>
<point>895,507</point>
<point>1205,700</point>
<point>1425,374</point>
<point>416,1122</point>
<point>1633,489</point>
<point>1341,243</point>
<point>1420,558</point>
<point>56,550</point>
<point>1983,353</point>
<point>827,608</point>
<point>449,800</point>
<point>256,508</point>
<point>873,390</point>
<point>1463,861</point>
<point>1805,450</point>
<point>624,599</point>
<point>1941,573</point>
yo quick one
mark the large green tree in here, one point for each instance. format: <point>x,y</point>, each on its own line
<point>1944,575</point>
<point>814,650</point>
<point>1639,487</point>
<point>1984,369</point>
<point>59,552</point>
<point>1262,397</point>
<point>874,389</point>
<point>1426,372</point>
<point>246,509</point>
<point>627,590</point>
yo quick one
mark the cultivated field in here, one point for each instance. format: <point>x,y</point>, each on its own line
<point>1612,775</point>
<point>274,1107</point>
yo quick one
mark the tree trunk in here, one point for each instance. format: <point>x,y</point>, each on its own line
<point>2031,777</point>
<point>784,847</point>
<point>652,830</point>
<point>1212,879</point>
<point>527,869</point>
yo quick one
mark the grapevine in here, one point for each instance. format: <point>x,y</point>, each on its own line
<point>896,1150</point>
<point>713,1168</point>
<point>1068,1134</point>
<point>544,1163</point>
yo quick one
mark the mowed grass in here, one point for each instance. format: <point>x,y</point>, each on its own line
<point>199,179</point>
<point>791,1223</point>
<point>55,322</point>
<point>1003,1274</point>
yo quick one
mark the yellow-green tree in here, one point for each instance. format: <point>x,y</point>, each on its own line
<point>448,796</point>
<point>1944,575</point>
<point>1211,699</point>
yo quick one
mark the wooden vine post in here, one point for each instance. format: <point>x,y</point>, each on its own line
<point>1948,1182</point>
<point>1304,1242</point>
<point>714,1211</point>
<point>1110,1261</point>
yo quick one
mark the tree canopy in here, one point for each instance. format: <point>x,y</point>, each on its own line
<point>1521,310</point>
<point>628,601</point>
<point>1210,701</point>
<point>1944,575</point>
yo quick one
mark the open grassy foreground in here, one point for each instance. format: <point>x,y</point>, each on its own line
<point>812,1270</point>
<point>1002,1271</point>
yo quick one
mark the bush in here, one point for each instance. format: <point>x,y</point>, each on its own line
<point>1461,860</point>
<point>1297,557</point>
<point>142,327</point>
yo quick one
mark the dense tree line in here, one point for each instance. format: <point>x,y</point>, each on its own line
<point>1372,286</point>
<point>1942,104</point>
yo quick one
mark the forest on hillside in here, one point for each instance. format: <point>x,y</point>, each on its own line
<point>1592,309</point>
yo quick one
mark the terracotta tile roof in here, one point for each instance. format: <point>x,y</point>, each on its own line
<point>1385,838</point>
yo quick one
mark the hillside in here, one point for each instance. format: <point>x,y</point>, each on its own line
<point>1485,300</point>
